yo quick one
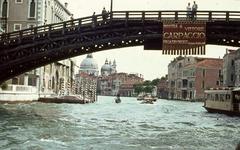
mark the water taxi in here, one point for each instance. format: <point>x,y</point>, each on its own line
<point>223,100</point>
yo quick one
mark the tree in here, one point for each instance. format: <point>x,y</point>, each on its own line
<point>148,89</point>
<point>147,82</point>
<point>155,82</point>
<point>138,88</point>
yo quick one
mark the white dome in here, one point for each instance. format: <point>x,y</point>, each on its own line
<point>89,64</point>
<point>106,67</point>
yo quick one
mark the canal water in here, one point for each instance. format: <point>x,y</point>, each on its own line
<point>106,125</point>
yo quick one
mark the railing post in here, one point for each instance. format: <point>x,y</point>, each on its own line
<point>127,17</point>
<point>79,24</point>
<point>159,15</point>
<point>143,15</point>
<point>64,28</point>
<point>176,15</point>
<point>49,30</point>
<point>210,16</point>
<point>35,32</point>
<point>227,16</point>
<point>20,36</point>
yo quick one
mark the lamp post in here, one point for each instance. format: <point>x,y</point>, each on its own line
<point>111,6</point>
<point>5,14</point>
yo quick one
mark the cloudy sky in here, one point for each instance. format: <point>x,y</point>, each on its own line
<point>151,64</point>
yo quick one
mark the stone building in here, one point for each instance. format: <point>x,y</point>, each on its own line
<point>16,15</point>
<point>192,76</point>
<point>231,65</point>
<point>175,70</point>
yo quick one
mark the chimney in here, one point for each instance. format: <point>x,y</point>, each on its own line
<point>66,4</point>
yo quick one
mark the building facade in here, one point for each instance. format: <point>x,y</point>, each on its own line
<point>118,83</point>
<point>231,71</point>
<point>175,71</point>
<point>16,15</point>
<point>192,76</point>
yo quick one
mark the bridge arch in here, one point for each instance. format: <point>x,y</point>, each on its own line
<point>27,49</point>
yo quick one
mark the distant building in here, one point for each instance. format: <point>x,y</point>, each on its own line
<point>162,88</point>
<point>86,86</point>
<point>193,75</point>
<point>108,68</point>
<point>118,83</point>
<point>127,87</point>
<point>89,65</point>
<point>86,79</point>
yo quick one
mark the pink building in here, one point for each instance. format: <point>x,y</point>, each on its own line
<point>201,76</point>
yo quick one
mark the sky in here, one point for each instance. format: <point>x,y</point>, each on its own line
<point>151,64</point>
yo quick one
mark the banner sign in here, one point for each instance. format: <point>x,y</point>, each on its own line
<point>184,38</point>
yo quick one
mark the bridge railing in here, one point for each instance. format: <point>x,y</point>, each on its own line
<point>123,15</point>
<point>179,15</point>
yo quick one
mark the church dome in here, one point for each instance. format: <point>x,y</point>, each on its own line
<point>106,67</point>
<point>89,65</point>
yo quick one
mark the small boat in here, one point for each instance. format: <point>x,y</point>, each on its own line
<point>140,97</point>
<point>223,100</point>
<point>147,102</point>
<point>117,99</point>
<point>148,99</point>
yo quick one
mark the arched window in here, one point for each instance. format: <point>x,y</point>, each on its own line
<point>5,9</point>
<point>32,11</point>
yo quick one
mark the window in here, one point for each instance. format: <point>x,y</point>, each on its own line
<point>219,73</point>
<point>203,73</point>
<point>17,27</point>
<point>180,65</point>
<point>232,62</point>
<point>5,9</point>
<point>203,84</point>
<point>18,1</point>
<point>32,10</point>
<point>232,77</point>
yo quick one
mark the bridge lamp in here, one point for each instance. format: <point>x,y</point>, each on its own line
<point>111,6</point>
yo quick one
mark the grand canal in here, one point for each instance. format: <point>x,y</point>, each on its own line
<point>105,125</point>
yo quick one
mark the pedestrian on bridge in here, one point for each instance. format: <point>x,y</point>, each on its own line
<point>194,10</point>
<point>104,15</point>
<point>189,11</point>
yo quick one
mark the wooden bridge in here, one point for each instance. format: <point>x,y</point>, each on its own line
<point>24,50</point>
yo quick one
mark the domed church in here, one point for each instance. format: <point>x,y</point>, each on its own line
<point>89,65</point>
<point>108,68</point>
